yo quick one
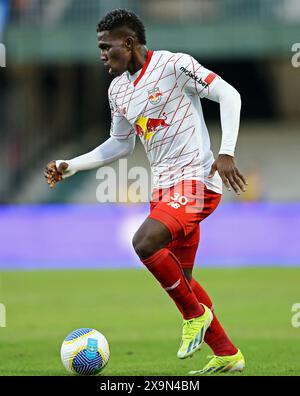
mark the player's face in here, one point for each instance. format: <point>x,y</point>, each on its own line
<point>114,53</point>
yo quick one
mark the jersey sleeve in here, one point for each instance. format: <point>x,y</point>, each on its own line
<point>192,77</point>
<point>120,128</point>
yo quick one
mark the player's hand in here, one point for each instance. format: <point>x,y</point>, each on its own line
<point>229,173</point>
<point>54,174</point>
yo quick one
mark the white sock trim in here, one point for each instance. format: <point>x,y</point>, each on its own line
<point>173,286</point>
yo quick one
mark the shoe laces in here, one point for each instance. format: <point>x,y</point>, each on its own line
<point>188,329</point>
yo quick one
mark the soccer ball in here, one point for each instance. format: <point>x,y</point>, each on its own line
<point>85,352</point>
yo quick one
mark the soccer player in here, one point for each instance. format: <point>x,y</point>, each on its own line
<point>156,95</point>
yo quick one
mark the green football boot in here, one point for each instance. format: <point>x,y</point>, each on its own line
<point>221,364</point>
<point>193,333</point>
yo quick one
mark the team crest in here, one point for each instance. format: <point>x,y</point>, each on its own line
<point>154,95</point>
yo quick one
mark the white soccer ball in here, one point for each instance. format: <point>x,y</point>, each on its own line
<point>85,351</point>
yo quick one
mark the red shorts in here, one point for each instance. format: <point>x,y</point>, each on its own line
<point>181,208</point>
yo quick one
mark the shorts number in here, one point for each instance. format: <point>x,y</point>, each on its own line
<point>178,201</point>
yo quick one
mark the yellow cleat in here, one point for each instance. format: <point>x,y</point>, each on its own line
<point>221,364</point>
<point>193,333</point>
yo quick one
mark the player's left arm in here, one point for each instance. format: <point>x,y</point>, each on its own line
<point>230,106</point>
<point>195,79</point>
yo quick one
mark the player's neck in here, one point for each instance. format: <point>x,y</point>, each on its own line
<point>139,58</point>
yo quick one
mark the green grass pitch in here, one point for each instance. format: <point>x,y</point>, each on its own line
<point>142,324</point>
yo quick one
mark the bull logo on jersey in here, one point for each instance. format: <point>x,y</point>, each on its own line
<point>146,127</point>
<point>154,96</point>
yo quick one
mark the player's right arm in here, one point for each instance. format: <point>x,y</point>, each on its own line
<point>120,144</point>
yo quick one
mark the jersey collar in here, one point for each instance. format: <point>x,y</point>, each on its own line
<point>146,64</point>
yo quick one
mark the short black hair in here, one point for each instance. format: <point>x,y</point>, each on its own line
<point>122,17</point>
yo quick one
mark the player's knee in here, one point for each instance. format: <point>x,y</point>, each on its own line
<point>145,251</point>
<point>135,241</point>
<point>143,247</point>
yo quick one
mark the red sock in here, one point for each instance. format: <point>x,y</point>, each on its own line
<point>167,270</point>
<point>215,335</point>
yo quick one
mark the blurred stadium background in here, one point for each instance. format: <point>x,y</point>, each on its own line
<point>53,104</point>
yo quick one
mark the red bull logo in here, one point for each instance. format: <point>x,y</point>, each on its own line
<point>154,96</point>
<point>146,127</point>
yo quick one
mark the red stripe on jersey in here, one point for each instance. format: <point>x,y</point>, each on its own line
<point>210,78</point>
<point>149,56</point>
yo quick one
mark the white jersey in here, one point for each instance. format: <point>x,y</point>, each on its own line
<point>161,104</point>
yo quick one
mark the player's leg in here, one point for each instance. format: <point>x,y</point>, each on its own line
<point>227,357</point>
<point>185,253</point>
<point>185,250</point>
<point>215,336</point>
<point>149,243</point>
